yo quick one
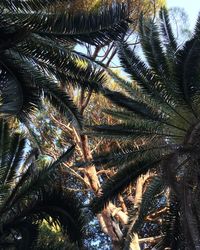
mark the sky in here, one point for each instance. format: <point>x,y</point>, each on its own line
<point>192,8</point>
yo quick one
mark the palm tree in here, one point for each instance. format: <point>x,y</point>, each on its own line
<point>159,122</point>
<point>30,194</point>
<point>37,56</point>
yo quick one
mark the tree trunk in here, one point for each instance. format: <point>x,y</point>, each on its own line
<point>105,218</point>
<point>132,241</point>
<point>191,220</point>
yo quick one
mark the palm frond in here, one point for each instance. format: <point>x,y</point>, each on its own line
<point>58,207</point>
<point>10,92</point>
<point>30,74</point>
<point>130,104</point>
<point>93,28</point>
<point>4,141</point>
<point>169,39</point>
<point>187,73</point>
<point>129,131</point>
<point>11,153</point>
<point>64,209</point>
<point>16,162</point>
<point>132,119</point>
<point>28,234</point>
<point>40,59</point>
<point>173,235</point>
<point>30,132</point>
<point>29,5</point>
<point>46,174</point>
<point>197,28</point>
<point>121,157</point>
<point>30,92</point>
<point>53,57</point>
<point>154,188</point>
<point>149,204</point>
<point>140,73</point>
<point>121,180</point>
<point>167,98</point>
<point>63,103</point>
<point>152,47</point>
<point>30,193</point>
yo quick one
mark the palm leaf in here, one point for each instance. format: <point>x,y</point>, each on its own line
<point>29,5</point>
<point>57,207</point>
<point>131,131</point>
<point>153,87</point>
<point>173,236</point>
<point>120,181</point>
<point>167,32</point>
<point>29,73</point>
<point>29,195</point>
<point>154,188</point>
<point>53,57</point>
<point>152,47</point>
<point>11,92</point>
<point>16,161</point>
<point>94,28</point>
<point>188,80</point>
<point>28,232</point>
<point>138,107</point>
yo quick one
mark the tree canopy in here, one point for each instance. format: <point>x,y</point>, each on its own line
<point>92,129</point>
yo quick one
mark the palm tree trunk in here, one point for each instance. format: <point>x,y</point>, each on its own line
<point>191,220</point>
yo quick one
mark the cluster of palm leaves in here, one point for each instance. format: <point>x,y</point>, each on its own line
<point>38,61</point>
<point>38,57</point>
<point>30,194</point>
<point>158,120</point>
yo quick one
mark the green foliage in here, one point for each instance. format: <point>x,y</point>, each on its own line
<point>37,57</point>
<point>30,192</point>
<point>49,239</point>
<point>173,234</point>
